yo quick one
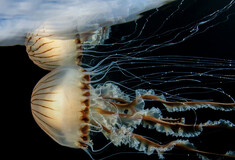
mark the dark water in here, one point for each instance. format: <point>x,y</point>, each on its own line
<point>199,29</point>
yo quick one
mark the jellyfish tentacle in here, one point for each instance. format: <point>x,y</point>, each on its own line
<point>179,144</point>
<point>116,99</point>
<point>183,106</point>
<point>144,144</point>
<point>180,120</point>
<point>184,130</point>
<point>209,124</point>
<point>177,106</point>
<point>138,142</point>
<point>185,147</point>
<point>181,129</point>
<point>129,106</point>
<point>172,128</point>
<point>125,104</point>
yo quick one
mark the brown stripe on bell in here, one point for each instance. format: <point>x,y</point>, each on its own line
<point>85,115</point>
<point>82,144</point>
<point>85,129</point>
<point>85,85</point>
<point>79,49</point>
<point>48,51</point>
<point>86,94</point>
<point>60,106</point>
<point>86,77</point>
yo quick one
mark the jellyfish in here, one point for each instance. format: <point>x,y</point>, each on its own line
<point>129,66</point>
<point>68,108</point>
<point>48,51</point>
<point>50,44</point>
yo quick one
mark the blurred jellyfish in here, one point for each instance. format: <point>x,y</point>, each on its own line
<point>66,18</point>
<point>69,109</point>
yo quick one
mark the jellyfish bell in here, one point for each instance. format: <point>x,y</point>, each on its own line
<point>68,108</point>
<point>61,109</point>
<point>49,49</point>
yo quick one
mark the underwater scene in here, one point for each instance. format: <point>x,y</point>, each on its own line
<point>115,79</point>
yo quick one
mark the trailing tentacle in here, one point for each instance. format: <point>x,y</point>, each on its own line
<point>152,119</point>
<point>175,106</point>
<point>184,106</point>
<point>125,135</point>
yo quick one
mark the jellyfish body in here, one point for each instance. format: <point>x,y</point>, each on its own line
<point>68,109</point>
<point>60,108</point>
<point>48,50</point>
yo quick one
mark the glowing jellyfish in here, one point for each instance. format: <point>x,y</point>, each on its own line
<point>67,107</point>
